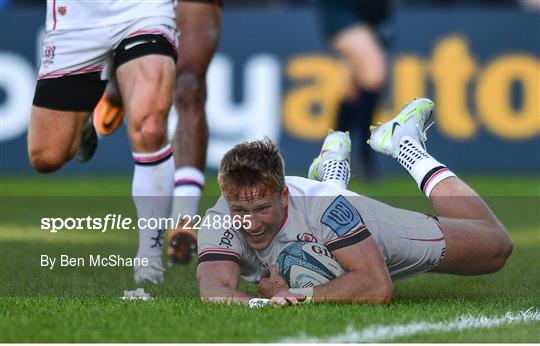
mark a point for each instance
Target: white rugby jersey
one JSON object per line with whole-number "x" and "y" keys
{"x": 84, "y": 14}
{"x": 317, "y": 212}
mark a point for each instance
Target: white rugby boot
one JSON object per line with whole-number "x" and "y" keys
{"x": 333, "y": 163}
{"x": 411, "y": 121}
{"x": 152, "y": 273}
{"x": 404, "y": 138}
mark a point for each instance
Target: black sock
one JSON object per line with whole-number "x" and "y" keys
{"x": 356, "y": 116}
{"x": 346, "y": 116}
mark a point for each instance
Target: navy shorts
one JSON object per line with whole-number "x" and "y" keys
{"x": 339, "y": 15}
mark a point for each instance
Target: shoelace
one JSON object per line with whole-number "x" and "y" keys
{"x": 423, "y": 134}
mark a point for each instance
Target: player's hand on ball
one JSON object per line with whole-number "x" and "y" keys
{"x": 286, "y": 298}
{"x": 272, "y": 285}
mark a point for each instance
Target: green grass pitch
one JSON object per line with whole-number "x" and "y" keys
{"x": 83, "y": 305}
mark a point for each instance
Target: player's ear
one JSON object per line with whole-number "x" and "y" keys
{"x": 284, "y": 196}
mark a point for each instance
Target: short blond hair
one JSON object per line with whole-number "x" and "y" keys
{"x": 256, "y": 164}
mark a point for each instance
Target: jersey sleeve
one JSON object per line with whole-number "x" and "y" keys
{"x": 219, "y": 244}
{"x": 339, "y": 224}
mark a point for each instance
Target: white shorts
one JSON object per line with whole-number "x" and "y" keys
{"x": 410, "y": 242}
{"x": 78, "y": 51}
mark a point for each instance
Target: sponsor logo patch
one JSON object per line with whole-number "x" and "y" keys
{"x": 48, "y": 53}
{"x": 158, "y": 239}
{"x": 48, "y": 56}
{"x": 341, "y": 216}
{"x": 308, "y": 237}
{"x": 226, "y": 240}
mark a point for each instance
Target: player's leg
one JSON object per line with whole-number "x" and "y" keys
{"x": 476, "y": 241}
{"x": 364, "y": 54}
{"x": 365, "y": 57}
{"x": 68, "y": 88}
{"x": 59, "y": 127}
{"x": 145, "y": 75}
{"x": 146, "y": 85}
{"x": 53, "y": 137}
{"x": 200, "y": 26}
{"x": 350, "y": 28}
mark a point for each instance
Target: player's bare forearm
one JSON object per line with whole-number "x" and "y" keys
{"x": 366, "y": 279}
{"x": 354, "y": 287}
{"x": 218, "y": 283}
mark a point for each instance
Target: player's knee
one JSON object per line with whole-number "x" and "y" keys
{"x": 45, "y": 161}
{"x": 190, "y": 90}
{"x": 373, "y": 78}
{"x": 374, "y": 81}
{"x": 152, "y": 133}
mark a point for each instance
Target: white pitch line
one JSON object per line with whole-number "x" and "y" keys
{"x": 378, "y": 333}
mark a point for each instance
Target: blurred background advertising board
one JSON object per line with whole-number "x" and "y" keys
{"x": 274, "y": 75}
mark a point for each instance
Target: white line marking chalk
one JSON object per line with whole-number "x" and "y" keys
{"x": 378, "y": 333}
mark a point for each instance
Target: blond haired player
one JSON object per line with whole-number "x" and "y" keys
{"x": 375, "y": 243}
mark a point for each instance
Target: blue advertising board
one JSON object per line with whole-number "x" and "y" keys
{"x": 274, "y": 76}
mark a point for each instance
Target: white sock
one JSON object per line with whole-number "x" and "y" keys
{"x": 425, "y": 170}
{"x": 336, "y": 172}
{"x": 188, "y": 185}
{"x": 152, "y": 188}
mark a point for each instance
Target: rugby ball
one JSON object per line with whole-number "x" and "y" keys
{"x": 306, "y": 264}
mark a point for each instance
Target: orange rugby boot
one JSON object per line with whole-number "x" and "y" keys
{"x": 182, "y": 244}
{"x": 107, "y": 117}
